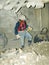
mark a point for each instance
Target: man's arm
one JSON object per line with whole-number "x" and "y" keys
{"x": 28, "y": 27}
{"x": 16, "y": 28}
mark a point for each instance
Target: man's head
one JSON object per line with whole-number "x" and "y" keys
{"x": 22, "y": 17}
{"x": 44, "y": 30}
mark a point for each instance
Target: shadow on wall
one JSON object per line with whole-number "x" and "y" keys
{"x": 3, "y": 40}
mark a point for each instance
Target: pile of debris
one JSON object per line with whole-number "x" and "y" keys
{"x": 23, "y": 57}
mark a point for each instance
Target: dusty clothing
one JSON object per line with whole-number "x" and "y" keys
{"x": 20, "y": 29}
{"x": 41, "y": 37}
{"x": 24, "y": 34}
{"x": 20, "y": 26}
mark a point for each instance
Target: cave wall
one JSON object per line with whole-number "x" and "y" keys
{"x": 36, "y": 18}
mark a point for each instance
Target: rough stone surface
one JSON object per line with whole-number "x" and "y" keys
{"x": 36, "y": 54}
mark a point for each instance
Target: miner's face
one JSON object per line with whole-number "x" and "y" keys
{"x": 20, "y": 20}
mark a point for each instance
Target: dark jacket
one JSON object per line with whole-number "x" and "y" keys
{"x": 17, "y": 26}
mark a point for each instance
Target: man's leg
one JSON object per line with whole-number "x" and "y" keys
{"x": 29, "y": 37}
{"x": 21, "y": 39}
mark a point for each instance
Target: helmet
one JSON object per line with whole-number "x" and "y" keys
{"x": 44, "y": 30}
{"x": 22, "y": 17}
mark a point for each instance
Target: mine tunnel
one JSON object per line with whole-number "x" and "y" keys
{"x": 36, "y": 15}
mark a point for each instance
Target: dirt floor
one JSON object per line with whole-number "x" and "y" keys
{"x": 35, "y": 54}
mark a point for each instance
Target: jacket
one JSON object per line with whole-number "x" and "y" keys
{"x": 17, "y": 26}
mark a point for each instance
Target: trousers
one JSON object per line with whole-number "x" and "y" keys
{"x": 23, "y": 35}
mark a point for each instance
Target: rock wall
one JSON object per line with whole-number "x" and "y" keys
{"x": 36, "y": 18}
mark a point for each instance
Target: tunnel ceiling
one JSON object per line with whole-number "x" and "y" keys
{"x": 15, "y": 5}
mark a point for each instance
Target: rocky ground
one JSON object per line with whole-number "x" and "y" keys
{"x": 35, "y": 54}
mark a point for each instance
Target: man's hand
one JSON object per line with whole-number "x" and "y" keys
{"x": 18, "y": 36}
{"x": 29, "y": 29}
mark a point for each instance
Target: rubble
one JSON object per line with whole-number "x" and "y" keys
{"x": 27, "y": 56}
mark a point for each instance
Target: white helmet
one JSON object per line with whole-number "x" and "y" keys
{"x": 22, "y": 17}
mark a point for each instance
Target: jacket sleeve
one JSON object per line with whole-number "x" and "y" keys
{"x": 16, "y": 28}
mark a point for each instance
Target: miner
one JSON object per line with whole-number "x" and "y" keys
{"x": 21, "y": 31}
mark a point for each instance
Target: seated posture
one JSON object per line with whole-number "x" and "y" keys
{"x": 20, "y": 31}
{"x": 43, "y": 36}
